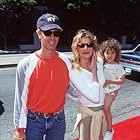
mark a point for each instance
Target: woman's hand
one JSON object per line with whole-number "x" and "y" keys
{"x": 106, "y": 83}
{"x": 93, "y": 62}
{"x": 94, "y": 66}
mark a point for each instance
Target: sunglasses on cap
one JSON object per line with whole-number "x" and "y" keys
{"x": 49, "y": 33}
{"x": 91, "y": 45}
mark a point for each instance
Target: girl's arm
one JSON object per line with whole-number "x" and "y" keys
{"x": 115, "y": 81}
{"x": 121, "y": 77}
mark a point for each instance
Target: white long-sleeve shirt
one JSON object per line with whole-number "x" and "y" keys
{"x": 90, "y": 93}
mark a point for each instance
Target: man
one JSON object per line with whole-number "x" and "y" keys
{"x": 42, "y": 80}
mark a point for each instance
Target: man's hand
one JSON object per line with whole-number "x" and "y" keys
{"x": 19, "y": 135}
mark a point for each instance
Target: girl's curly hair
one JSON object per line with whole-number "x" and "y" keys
{"x": 111, "y": 43}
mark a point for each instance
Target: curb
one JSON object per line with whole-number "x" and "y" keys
{"x": 8, "y": 65}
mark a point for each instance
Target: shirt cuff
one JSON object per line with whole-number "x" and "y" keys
{"x": 20, "y": 129}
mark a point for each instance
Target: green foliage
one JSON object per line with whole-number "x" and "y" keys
{"x": 15, "y": 8}
{"x": 76, "y": 4}
{"x": 10, "y": 10}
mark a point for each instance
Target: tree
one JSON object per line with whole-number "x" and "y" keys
{"x": 77, "y": 4}
{"x": 10, "y": 10}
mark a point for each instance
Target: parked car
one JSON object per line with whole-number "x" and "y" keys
{"x": 130, "y": 60}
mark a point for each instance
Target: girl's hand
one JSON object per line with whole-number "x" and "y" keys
{"x": 115, "y": 93}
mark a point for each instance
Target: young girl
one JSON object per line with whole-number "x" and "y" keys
{"x": 115, "y": 76}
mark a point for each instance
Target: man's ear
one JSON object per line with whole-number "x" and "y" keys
{"x": 39, "y": 33}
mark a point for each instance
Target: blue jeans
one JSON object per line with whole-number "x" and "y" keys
{"x": 50, "y": 128}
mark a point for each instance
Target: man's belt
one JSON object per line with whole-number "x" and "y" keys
{"x": 46, "y": 115}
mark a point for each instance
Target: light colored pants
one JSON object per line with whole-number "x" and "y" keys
{"x": 92, "y": 123}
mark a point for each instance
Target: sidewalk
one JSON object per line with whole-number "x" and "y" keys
{"x": 124, "y": 107}
{"x": 11, "y": 58}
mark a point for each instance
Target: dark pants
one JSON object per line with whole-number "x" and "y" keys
{"x": 49, "y": 128}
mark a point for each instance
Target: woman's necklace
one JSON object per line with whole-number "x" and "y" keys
{"x": 87, "y": 67}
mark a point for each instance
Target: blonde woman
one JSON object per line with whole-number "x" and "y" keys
{"x": 87, "y": 76}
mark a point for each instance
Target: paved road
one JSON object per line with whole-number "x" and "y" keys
{"x": 125, "y": 105}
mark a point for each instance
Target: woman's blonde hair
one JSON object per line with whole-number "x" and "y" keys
{"x": 76, "y": 40}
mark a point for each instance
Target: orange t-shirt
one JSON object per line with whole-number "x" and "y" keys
{"x": 48, "y": 86}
